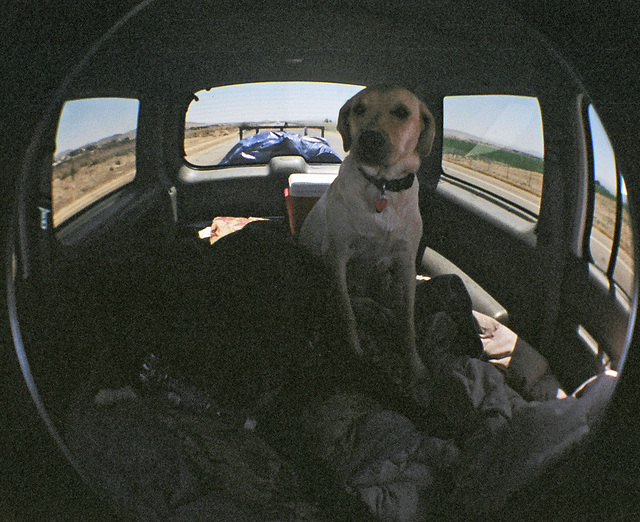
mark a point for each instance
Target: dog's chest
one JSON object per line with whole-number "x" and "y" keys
{"x": 400, "y": 211}
{"x": 381, "y": 231}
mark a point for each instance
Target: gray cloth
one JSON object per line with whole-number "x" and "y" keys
{"x": 502, "y": 442}
{"x": 157, "y": 462}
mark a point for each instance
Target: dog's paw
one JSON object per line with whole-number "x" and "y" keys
{"x": 417, "y": 369}
{"x": 354, "y": 342}
{"x": 371, "y": 313}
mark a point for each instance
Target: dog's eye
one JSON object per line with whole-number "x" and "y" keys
{"x": 401, "y": 112}
{"x": 359, "y": 109}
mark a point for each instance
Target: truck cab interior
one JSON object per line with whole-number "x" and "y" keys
{"x": 159, "y": 311}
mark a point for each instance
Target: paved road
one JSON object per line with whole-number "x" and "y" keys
{"x": 600, "y": 251}
{"x": 211, "y": 152}
{"x": 518, "y": 196}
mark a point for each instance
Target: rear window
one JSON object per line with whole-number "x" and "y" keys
{"x": 251, "y": 123}
{"x": 495, "y": 145}
{"x": 95, "y": 153}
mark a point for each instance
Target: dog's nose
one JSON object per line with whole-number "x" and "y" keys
{"x": 373, "y": 147}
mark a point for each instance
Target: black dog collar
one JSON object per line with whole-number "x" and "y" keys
{"x": 392, "y": 185}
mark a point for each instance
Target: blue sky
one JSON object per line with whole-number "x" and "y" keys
{"x": 510, "y": 121}
{"x": 603, "y": 156}
{"x": 515, "y": 122}
{"x": 89, "y": 120}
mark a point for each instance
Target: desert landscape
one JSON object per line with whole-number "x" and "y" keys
{"x": 83, "y": 176}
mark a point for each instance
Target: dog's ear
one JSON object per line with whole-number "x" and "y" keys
{"x": 344, "y": 128}
{"x": 425, "y": 142}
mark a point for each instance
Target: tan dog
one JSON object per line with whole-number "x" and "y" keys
{"x": 369, "y": 216}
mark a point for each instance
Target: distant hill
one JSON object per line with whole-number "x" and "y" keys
{"x": 462, "y": 144}
{"x": 100, "y": 144}
{"x": 464, "y": 136}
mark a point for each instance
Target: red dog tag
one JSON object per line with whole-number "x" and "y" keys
{"x": 381, "y": 204}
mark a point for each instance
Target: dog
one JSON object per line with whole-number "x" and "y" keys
{"x": 368, "y": 222}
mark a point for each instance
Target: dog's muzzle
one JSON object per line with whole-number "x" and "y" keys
{"x": 372, "y": 147}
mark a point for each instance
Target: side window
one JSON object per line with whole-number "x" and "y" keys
{"x": 495, "y": 144}
{"x": 95, "y": 153}
{"x": 611, "y": 237}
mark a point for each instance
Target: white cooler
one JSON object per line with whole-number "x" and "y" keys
{"x": 303, "y": 192}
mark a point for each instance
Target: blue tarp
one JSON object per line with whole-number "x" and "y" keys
{"x": 260, "y": 148}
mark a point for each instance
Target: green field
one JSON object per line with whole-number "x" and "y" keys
{"x": 512, "y": 158}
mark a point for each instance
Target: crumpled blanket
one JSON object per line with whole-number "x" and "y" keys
{"x": 501, "y": 442}
{"x": 490, "y": 418}
{"x": 503, "y": 456}
{"x": 379, "y": 455}
{"x": 481, "y": 428}
{"x": 160, "y": 462}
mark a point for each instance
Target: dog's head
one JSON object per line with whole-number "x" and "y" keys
{"x": 387, "y": 126}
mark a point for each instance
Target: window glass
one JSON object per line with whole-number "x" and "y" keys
{"x": 623, "y": 272}
{"x": 250, "y": 123}
{"x": 495, "y": 143}
{"x": 611, "y": 239}
{"x": 95, "y": 152}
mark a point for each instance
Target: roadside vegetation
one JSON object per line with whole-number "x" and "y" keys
{"x": 512, "y": 167}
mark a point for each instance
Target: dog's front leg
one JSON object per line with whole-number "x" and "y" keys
{"x": 339, "y": 270}
{"x": 407, "y": 282}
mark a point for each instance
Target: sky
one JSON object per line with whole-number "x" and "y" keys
{"x": 603, "y": 156}
{"x": 270, "y": 101}
{"x": 89, "y": 120}
{"x": 513, "y": 122}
